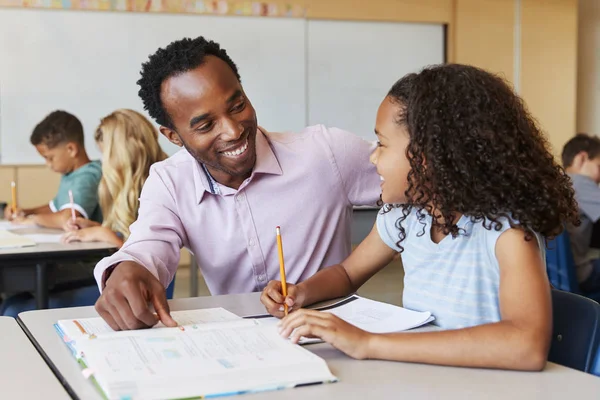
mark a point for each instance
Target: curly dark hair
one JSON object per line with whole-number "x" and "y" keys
{"x": 474, "y": 149}
{"x": 58, "y": 127}
{"x": 178, "y": 57}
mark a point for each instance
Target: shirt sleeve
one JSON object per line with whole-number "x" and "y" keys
{"x": 351, "y": 159}
{"x": 85, "y": 195}
{"x": 156, "y": 237}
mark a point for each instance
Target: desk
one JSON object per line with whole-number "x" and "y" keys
{"x": 358, "y": 379}
{"x": 30, "y": 264}
{"x": 23, "y": 373}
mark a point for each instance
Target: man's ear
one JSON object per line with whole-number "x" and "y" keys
{"x": 171, "y": 135}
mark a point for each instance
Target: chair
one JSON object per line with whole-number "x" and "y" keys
{"x": 575, "y": 332}
{"x": 560, "y": 266}
{"x": 171, "y": 289}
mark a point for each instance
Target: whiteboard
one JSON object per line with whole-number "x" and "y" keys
{"x": 352, "y": 66}
{"x": 87, "y": 63}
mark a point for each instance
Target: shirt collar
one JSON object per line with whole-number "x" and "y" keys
{"x": 266, "y": 163}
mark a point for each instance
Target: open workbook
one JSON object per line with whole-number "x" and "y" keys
{"x": 214, "y": 352}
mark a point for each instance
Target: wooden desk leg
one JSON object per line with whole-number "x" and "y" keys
{"x": 193, "y": 277}
{"x": 41, "y": 286}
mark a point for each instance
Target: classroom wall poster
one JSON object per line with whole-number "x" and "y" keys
{"x": 215, "y": 7}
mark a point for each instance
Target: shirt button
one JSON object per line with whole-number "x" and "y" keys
{"x": 251, "y": 242}
{"x": 262, "y": 278}
{"x": 240, "y": 198}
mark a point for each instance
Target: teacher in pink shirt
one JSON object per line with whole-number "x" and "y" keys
{"x": 224, "y": 193}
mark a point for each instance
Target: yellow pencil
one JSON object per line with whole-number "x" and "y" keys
{"x": 13, "y": 189}
{"x": 282, "y": 269}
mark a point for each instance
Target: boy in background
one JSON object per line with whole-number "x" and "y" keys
{"x": 581, "y": 159}
{"x": 59, "y": 139}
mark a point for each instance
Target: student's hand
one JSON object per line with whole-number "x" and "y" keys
{"x": 125, "y": 301}
{"x": 93, "y": 234}
{"x": 272, "y": 298}
{"x": 343, "y": 336}
{"x": 9, "y": 215}
{"x": 79, "y": 223}
{"x": 22, "y": 220}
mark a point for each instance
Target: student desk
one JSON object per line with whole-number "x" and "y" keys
{"x": 26, "y": 268}
{"x": 358, "y": 379}
{"x": 23, "y": 373}
{"x": 363, "y": 219}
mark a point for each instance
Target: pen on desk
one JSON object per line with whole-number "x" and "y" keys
{"x": 13, "y": 190}
{"x": 73, "y": 217}
{"x": 282, "y": 269}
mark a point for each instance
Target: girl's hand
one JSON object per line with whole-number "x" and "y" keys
{"x": 79, "y": 223}
{"x": 83, "y": 235}
{"x": 272, "y": 298}
{"x": 343, "y": 336}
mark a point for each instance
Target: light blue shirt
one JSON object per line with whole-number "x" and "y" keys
{"x": 457, "y": 279}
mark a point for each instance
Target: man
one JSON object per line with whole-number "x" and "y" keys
{"x": 223, "y": 196}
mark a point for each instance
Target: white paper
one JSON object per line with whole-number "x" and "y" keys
{"x": 224, "y": 358}
{"x": 369, "y": 315}
{"x": 7, "y": 225}
{"x": 44, "y": 237}
{"x": 97, "y": 326}
{"x": 9, "y": 240}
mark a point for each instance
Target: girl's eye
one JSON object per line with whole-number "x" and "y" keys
{"x": 379, "y": 144}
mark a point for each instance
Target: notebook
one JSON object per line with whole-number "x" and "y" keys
{"x": 212, "y": 353}
{"x": 9, "y": 240}
{"x": 369, "y": 315}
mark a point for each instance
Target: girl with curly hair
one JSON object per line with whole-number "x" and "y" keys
{"x": 471, "y": 192}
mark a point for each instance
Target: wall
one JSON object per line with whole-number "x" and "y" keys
{"x": 531, "y": 42}
{"x": 588, "y": 67}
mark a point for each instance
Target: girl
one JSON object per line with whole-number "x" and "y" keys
{"x": 129, "y": 146}
{"x": 470, "y": 192}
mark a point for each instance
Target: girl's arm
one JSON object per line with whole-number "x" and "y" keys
{"x": 336, "y": 281}
{"x": 521, "y": 340}
{"x": 93, "y": 234}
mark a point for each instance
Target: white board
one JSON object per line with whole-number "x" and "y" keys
{"x": 352, "y": 66}
{"x": 87, "y": 63}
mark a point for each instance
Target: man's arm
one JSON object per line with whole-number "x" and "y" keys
{"x": 136, "y": 276}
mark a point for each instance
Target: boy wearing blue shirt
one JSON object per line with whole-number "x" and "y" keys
{"x": 59, "y": 139}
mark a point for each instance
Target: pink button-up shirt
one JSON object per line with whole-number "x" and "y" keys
{"x": 306, "y": 183}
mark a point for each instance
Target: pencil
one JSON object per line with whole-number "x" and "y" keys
{"x": 282, "y": 269}
{"x": 13, "y": 189}
{"x": 72, "y": 206}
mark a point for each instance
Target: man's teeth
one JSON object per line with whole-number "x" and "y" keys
{"x": 238, "y": 151}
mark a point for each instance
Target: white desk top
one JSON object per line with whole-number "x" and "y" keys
{"x": 51, "y": 247}
{"x": 23, "y": 372}
{"x": 358, "y": 379}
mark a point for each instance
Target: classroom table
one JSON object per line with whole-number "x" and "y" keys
{"x": 23, "y": 373}
{"x": 357, "y": 379}
{"x": 363, "y": 219}
{"x": 26, "y": 268}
